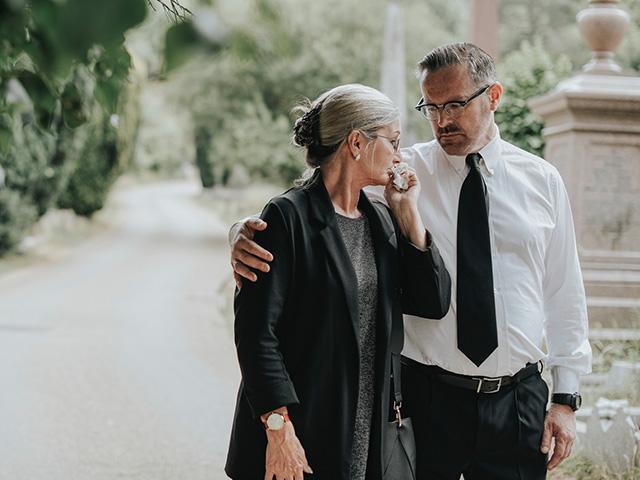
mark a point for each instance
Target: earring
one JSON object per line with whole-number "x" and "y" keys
{"x": 357, "y": 158}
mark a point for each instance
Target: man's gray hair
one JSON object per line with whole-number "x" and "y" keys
{"x": 479, "y": 63}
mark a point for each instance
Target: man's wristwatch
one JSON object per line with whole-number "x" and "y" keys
{"x": 275, "y": 421}
{"x": 574, "y": 400}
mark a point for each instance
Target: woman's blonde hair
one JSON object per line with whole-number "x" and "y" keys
{"x": 326, "y": 122}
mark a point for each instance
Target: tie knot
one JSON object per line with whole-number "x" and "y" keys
{"x": 473, "y": 160}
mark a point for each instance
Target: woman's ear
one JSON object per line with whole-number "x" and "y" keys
{"x": 354, "y": 143}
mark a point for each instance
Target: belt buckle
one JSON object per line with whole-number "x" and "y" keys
{"x": 494, "y": 390}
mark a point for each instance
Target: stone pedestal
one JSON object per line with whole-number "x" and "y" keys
{"x": 592, "y": 134}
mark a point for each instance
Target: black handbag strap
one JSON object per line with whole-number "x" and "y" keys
{"x": 396, "y": 381}
{"x": 397, "y": 387}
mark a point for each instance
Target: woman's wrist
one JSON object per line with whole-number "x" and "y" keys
{"x": 411, "y": 226}
{"x": 286, "y": 432}
{"x": 280, "y": 410}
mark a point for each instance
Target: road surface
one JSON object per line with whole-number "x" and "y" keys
{"x": 116, "y": 361}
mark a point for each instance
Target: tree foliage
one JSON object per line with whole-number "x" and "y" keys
{"x": 527, "y": 73}
{"x": 270, "y": 54}
{"x": 63, "y": 73}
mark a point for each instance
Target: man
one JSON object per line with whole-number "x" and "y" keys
{"x": 502, "y": 219}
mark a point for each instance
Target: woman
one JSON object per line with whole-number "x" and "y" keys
{"x": 315, "y": 334}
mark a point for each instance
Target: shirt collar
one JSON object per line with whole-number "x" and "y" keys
{"x": 490, "y": 155}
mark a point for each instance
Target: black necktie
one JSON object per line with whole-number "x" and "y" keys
{"x": 476, "y": 315}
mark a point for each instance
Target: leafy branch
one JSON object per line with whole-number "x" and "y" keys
{"x": 173, "y": 8}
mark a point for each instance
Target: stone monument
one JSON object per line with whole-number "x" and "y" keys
{"x": 592, "y": 135}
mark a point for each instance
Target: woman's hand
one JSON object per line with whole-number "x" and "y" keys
{"x": 398, "y": 199}
{"x": 285, "y": 459}
{"x": 404, "y": 206}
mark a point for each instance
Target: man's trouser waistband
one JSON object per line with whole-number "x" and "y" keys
{"x": 475, "y": 383}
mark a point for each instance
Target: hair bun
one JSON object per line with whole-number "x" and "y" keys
{"x": 302, "y": 132}
{"x": 306, "y": 126}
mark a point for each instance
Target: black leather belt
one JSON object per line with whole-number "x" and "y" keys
{"x": 478, "y": 384}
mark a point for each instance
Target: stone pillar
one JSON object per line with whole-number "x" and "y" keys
{"x": 592, "y": 135}
{"x": 393, "y": 72}
{"x": 484, "y": 26}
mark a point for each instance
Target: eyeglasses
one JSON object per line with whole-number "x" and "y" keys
{"x": 395, "y": 142}
{"x": 452, "y": 109}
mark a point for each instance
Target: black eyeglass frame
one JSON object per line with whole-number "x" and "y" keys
{"x": 462, "y": 103}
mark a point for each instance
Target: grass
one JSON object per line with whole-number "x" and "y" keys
{"x": 578, "y": 467}
{"x": 605, "y": 353}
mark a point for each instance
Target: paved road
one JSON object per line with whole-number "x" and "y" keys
{"x": 115, "y": 361}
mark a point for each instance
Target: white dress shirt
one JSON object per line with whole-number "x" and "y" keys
{"x": 537, "y": 280}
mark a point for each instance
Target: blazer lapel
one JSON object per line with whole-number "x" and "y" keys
{"x": 323, "y": 213}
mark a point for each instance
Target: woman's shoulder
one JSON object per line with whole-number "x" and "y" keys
{"x": 287, "y": 205}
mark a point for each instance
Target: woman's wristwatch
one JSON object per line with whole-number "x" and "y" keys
{"x": 276, "y": 421}
{"x": 573, "y": 400}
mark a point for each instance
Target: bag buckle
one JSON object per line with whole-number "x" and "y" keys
{"x": 495, "y": 389}
{"x": 396, "y": 407}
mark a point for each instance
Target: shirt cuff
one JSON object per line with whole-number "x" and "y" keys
{"x": 565, "y": 380}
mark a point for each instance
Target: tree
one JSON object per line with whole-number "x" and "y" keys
{"x": 269, "y": 55}
{"x": 63, "y": 74}
{"x": 526, "y": 73}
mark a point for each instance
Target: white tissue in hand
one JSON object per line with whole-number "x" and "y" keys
{"x": 399, "y": 181}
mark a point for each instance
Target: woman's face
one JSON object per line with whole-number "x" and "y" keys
{"x": 380, "y": 153}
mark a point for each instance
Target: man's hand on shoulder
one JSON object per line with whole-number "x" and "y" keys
{"x": 245, "y": 253}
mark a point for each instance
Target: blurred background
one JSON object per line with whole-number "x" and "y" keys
{"x": 133, "y": 133}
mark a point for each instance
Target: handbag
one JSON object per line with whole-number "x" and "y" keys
{"x": 398, "y": 444}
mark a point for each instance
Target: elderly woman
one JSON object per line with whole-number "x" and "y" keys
{"x": 315, "y": 333}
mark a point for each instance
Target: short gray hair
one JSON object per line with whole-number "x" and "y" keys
{"x": 327, "y": 121}
{"x": 479, "y": 63}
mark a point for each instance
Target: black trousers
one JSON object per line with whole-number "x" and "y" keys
{"x": 485, "y": 436}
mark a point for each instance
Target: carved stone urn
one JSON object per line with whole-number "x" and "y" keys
{"x": 602, "y": 25}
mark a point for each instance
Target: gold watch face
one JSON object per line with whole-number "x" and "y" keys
{"x": 275, "y": 421}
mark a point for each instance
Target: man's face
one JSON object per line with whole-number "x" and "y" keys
{"x": 473, "y": 129}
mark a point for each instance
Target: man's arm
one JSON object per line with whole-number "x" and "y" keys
{"x": 567, "y": 330}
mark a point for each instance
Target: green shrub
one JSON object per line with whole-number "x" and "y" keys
{"x": 29, "y": 163}
{"x": 259, "y": 141}
{"x": 527, "y": 73}
{"x": 203, "y": 160}
{"x": 61, "y": 64}
{"x": 16, "y": 216}
{"x": 95, "y": 172}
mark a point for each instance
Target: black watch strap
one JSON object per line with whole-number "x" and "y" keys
{"x": 574, "y": 400}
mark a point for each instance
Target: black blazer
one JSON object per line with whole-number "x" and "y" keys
{"x": 296, "y": 330}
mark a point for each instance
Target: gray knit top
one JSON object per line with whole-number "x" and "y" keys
{"x": 356, "y": 234}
